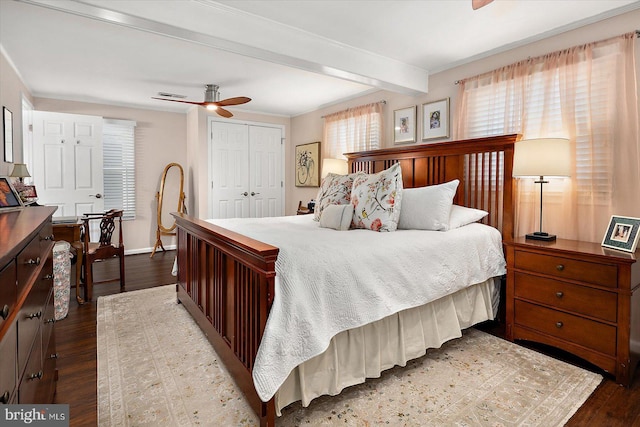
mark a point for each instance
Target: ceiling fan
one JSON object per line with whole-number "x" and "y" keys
{"x": 477, "y": 4}
{"x": 212, "y": 101}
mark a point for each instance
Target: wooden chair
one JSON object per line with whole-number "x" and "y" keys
{"x": 103, "y": 249}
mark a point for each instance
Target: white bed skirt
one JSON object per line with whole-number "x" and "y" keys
{"x": 364, "y": 352}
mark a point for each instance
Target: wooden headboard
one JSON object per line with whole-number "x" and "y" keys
{"x": 480, "y": 164}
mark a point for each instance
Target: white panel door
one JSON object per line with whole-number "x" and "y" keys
{"x": 265, "y": 192}
{"x": 67, "y": 162}
{"x": 229, "y": 170}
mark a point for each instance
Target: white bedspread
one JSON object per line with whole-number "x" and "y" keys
{"x": 328, "y": 281}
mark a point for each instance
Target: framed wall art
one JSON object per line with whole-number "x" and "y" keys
{"x": 622, "y": 233}
{"x": 404, "y": 124}
{"x": 308, "y": 165}
{"x": 435, "y": 119}
{"x": 7, "y": 124}
{"x": 9, "y": 197}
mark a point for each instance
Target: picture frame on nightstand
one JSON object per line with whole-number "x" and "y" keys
{"x": 622, "y": 233}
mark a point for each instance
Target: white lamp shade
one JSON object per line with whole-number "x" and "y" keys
{"x": 20, "y": 171}
{"x": 337, "y": 166}
{"x": 542, "y": 157}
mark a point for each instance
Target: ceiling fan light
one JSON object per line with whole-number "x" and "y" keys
{"x": 212, "y": 107}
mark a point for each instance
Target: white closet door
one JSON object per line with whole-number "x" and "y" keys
{"x": 67, "y": 162}
{"x": 265, "y": 193}
{"x": 229, "y": 170}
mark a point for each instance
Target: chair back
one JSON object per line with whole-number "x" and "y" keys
{"x": 107, "y": 226}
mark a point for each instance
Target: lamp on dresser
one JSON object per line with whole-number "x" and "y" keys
{"x": 20, "y": 171}
{"x": 542, "y": 157}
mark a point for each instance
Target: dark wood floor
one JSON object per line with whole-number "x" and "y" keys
{"x": 610, "y": 405}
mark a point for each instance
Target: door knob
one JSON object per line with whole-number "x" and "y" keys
{"x": 245, "y": 194}
{"x": 97, "y": 196}
{"x": 253, "y": 194}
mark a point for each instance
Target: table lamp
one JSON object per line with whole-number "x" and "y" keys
{"x": 20, "y": 171}
{"x": 337, "y": 166}
{"x": 542, "y": 157}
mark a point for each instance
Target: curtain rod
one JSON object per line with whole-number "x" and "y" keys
{"x": 457, "y": 82}
{"x": 383, "y": 101}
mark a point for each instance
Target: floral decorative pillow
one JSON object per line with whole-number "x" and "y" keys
{"x": 334, "y": 190}
{"x": 376, "y": 199}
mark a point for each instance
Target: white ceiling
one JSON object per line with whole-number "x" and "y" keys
{"x": 290, "y": 57}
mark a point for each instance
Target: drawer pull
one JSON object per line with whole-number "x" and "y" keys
{"x": 559, "y": 325}
{"x": 49, "y": 237}
{"x": 34, "y": 315}
{"x": 48, "y": 277}
{"x": 33, "y": 261}
{"x": 559, "y": 267}
{"x": 53, "y": 356}
{"x": 559, "y": 294}
{"x": 5, "y": 311}
{"x": 5, "y": 397}
{"x": 52, "y": 320}
{"x": 36, "y": 376}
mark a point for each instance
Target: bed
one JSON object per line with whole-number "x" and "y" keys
{"x": 227, "y": 281}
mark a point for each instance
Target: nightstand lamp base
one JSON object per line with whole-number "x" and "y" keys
{"x": 541, "y": 235}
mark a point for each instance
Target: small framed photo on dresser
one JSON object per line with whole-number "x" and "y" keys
{"x": 9, "y": 197}
{"x": 622, "y": 233}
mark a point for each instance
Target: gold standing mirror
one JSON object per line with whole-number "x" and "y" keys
{"x": 171, "y": 191}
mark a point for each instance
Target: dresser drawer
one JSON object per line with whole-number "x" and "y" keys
{"x": 33, "y": 375}
{"x": 578, "y": 330}
{"x": 567, "y": 296}
{"x": 8, "y": 367}
{"x": 8, "y": 291}
{"x": 566, "y": 268}
{"x": 28, "y": 262}
{"x": 45, "y": 236}
{"x": 29, "y": 320}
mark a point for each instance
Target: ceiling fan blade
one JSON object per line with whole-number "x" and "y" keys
{"x": 177, "y": 100}
{"x": 477, "y": 4}
{"x": 234, "y": 101}
{"x": 224, "y": 113}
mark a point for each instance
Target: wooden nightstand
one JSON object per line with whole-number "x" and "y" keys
{"x": 303, "y": 210}
{"x": 576, "y": 296}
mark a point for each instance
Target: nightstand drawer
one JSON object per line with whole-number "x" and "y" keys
{"x": 567, "y": 296}
{"x": 565, "y": 268}
{"x": 584, "y": 332}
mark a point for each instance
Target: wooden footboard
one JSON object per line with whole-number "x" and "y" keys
{"x": 226, "y": 282}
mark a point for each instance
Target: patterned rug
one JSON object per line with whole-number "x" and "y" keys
{"x": 156, "y": 368}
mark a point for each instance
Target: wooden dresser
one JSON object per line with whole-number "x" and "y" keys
{"x": 27, "y": 340}
{"x": 579, "y": 297}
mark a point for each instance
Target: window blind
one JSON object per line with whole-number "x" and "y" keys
{"x": 352, "y": 130}
{"x": 118, "y": 147}
{"x": 534, "y": 102}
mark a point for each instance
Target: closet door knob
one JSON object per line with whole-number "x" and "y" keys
{"x": 245, "y": 194}
{"x": 254, "y": 194}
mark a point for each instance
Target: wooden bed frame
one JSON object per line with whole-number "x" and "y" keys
{"x": 226, "y": 280}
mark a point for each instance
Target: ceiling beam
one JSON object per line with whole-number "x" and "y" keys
{"x": 276, "y": 43}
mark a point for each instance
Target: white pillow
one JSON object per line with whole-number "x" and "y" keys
{"x": 337, "y": 217}
{"x": 376, "y": 199}
{"x": 461, "y": 216}
{"x": 427, "y": 208}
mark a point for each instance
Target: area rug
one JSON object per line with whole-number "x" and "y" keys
{"x": 156, "y": 368}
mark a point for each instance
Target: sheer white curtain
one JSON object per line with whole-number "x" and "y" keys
{"x": 355, "y": 129}
{"x": 587, "y": 94}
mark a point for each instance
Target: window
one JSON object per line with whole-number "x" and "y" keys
{"x": 584, "y": 94}
{"x": 355, "y": 129}
{"x": 119, "y": 166}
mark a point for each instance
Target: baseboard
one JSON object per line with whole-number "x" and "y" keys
{"x": 147, "y": 250}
